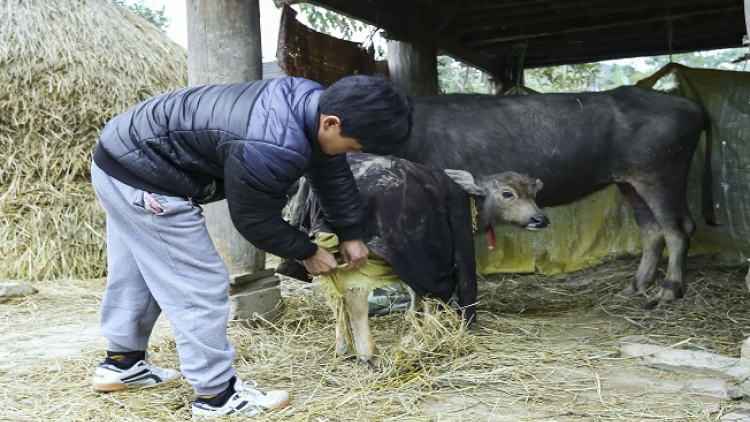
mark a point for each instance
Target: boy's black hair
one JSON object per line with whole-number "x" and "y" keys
{"x": 373, "y": 110}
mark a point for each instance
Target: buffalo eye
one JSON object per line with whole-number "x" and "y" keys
{"x": 508, "y": 194}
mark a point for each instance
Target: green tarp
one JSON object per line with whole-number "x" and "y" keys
{"x": 602, "y": 226}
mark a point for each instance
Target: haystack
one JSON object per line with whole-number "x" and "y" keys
{"x": 66, "y": 68}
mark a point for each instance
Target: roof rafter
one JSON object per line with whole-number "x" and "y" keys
{"x": 477, "y": 40}
{"x": 485, "y": 33}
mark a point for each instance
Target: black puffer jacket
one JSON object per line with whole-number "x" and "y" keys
{"x": 247, "y": 143}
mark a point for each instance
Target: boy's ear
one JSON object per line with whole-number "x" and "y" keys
{"x": 326, "y": 121}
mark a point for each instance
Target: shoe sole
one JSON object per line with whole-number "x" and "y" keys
{"x": 281, "y": 405}
{"x": 265, "y": 412}
{"x": 108, "y": 388}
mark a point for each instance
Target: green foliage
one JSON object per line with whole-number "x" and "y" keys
{"x": 582, "y": 77}
{"x": 571, "y": 78}
{"x": 618, "y": 75}
{"x": 455, "y": 76}
{"x": 340, "y": 26}
{"x": 156, "y": 16}
{"x": 716, "y": 59}
{"x": 331, "y": 23}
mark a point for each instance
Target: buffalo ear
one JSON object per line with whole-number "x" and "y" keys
{"x": 466, "y": 181}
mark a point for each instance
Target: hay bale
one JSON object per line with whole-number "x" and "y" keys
{"x": 67, "y": 68}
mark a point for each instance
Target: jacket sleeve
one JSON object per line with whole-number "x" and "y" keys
{"x": 255, "y": 207}
{"x": 334, "y": 186}
{"x": 259, "y": 169}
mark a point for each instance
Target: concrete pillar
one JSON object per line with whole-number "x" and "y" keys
{"x": 224, "y": 46}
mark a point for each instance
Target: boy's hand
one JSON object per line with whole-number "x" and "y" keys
{"x": 354, "y": 253}
{"x": 322, "y": 263}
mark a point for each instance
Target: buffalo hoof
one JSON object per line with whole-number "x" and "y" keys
{"x": 373, "y": 361}
{"x": 635, "y": 286}
{"x": 651, "y": 304}
{"x": 628, "y": 292}
{"x": 342, "y": 347}
{"x": 657, "y": 303}
{"x": 668, "y": 293}
{"x": 618, "y": 299}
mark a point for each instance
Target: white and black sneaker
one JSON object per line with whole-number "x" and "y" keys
{"x": 240, "y": 399}
{"x": 110, "y": 376}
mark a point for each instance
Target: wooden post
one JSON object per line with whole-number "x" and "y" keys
{"x": 412, "y": 64}
{"x": 223, "y": 41}
{"x": 224, "y": 46}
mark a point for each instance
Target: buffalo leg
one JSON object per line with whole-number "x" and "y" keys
{"x": 355, "y": 304}
{"x": 653, "y": 241}
{"x": 688, "y": 224}
{"x": 415, "y": 301}
{"x": 669, "y": 207}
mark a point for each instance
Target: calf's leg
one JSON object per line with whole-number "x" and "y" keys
{"x": 355, "y": 304}
{"x": 415, "y": 300}
{"x": 342, "y": 345}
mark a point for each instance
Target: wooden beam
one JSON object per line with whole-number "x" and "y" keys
{"x": 647, "y": 39}
{"x": 604, "y": 25}
{"x": 647, "y": 43}
{"x": 554, "y": 12}
{"x": 448, "y": 45}
{"x": 413, "y": 65}
{"x": 500, "y": 13}
{"x": 591, "y": 57}
{"x": 641, "y": 36}
{"x": 485, "y": 5}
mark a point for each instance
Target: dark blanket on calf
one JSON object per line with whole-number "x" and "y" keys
{"x": 416, "y": 218}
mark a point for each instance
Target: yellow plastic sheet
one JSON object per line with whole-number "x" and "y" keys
{"x": 602, "y": 226}
{"x": 375, "y": 274}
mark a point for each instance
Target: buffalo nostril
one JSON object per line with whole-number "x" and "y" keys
{"x": 540, "y": 221}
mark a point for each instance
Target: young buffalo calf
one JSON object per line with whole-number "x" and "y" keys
{"x": 419, "y": 231}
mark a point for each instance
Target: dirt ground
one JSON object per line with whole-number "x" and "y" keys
{"x": 545, "y": 349}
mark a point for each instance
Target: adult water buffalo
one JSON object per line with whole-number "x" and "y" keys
{"x": 639, "y": 139}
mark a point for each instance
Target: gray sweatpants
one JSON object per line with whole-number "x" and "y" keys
{"x": 165, "y": 262}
